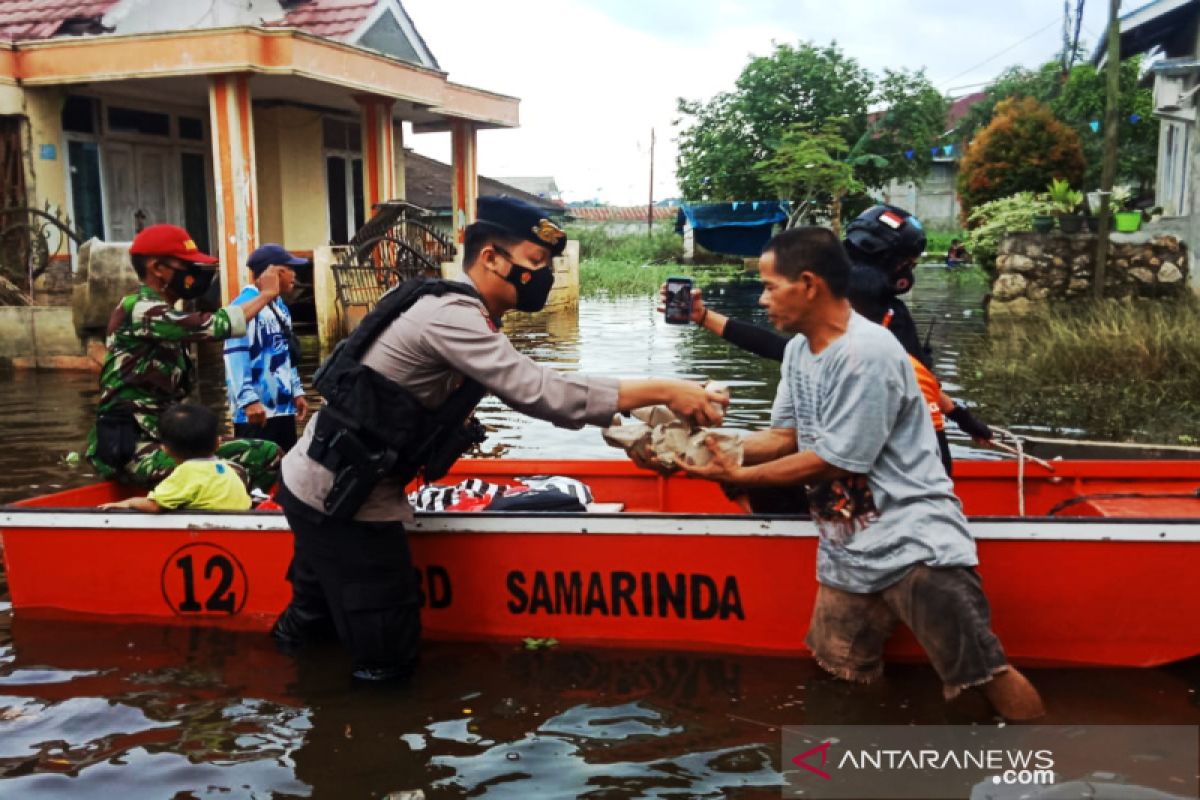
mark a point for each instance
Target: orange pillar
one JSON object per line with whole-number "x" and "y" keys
{"x": 465, "y": 188}
{"x": 232, "y": 124}
{"x": 379, "y": 150}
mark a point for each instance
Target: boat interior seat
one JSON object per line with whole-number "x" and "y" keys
{"x": 605, "y": 508}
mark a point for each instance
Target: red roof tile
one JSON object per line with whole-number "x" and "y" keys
{"x": 41, "y": 19}
{"x": 621, "y": 213}
{"x": 330, "y": 18}
{"x": 959, "y": 106}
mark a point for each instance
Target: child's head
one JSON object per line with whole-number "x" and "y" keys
{"x": 954, "y": 242}
{"x": 188, "y": 431}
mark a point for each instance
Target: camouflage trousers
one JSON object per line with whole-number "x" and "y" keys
{"x": 257, "y": 460}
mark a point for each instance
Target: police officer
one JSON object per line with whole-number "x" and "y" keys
{"x": 148, "y": 366}
{"x": 398, "y": 396}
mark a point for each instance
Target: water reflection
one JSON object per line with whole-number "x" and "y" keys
{"x": 172, "y": 709}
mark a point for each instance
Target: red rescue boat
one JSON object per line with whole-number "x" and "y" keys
{"x": 1098, "y": 570}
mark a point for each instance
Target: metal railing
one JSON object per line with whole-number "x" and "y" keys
{"x": 392, "y": 247}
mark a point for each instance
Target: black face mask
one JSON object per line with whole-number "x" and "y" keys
{"x": 190, "y": 283}
{"x": 533, "y": 285}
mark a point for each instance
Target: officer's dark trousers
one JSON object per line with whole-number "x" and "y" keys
{"x": 355, "y": 579}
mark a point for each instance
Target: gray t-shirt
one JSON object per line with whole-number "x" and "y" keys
{"x": 856, "y": 404}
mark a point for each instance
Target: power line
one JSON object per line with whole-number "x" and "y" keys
{"x": 1013, "y": 46}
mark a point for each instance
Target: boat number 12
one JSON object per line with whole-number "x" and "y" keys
{"x": 203, "y": 579}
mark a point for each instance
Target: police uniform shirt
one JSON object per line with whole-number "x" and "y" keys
{"x": 428, "y": 350}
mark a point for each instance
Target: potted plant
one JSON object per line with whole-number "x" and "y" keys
{"x": 1043, "y": 223}
{"x": 1067, "y": 202}
{"x": 1126, "y": 219}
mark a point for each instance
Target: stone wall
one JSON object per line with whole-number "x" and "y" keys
{"x": 1036, "y": 268}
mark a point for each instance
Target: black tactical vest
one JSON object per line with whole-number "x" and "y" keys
{"x": 371, "y": 427}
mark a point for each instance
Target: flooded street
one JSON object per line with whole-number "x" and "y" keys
{"x": 108, "y": 710}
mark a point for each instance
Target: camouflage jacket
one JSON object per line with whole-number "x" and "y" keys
{"x": 148, "y": 366}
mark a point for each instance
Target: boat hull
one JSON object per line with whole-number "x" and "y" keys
{"x": 1083, "y": 590}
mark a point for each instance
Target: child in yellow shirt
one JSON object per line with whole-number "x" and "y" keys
{"x": 201, "y": 482}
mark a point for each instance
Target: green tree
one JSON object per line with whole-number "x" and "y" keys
{"x": 1078, "y": 101}
{"x": 912, "y": 120}
{"x": 1022, "y": 149}
{"x": 720, "y": 140}
{"x": 810, "y": 167}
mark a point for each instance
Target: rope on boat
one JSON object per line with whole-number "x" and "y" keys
{"x": 1183, "y": 448}
{"x": 1020, "y": 448}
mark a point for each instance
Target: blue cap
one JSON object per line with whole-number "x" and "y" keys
{"x": 269, "y": 255}
{"x": 521, "y": 220}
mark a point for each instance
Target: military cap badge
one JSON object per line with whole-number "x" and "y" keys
{"x": 548, "y": 232}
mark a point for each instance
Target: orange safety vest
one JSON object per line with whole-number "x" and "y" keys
{"x": 931, "y": 387}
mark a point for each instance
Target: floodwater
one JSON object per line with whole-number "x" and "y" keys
{"x": 109, "y": 710}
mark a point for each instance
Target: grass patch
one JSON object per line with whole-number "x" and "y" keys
{"x": 618, "y": 264}
{"x": 660, "y": 246}
{"x": 1127, "y": 371}
{"x": 600, "y": 276}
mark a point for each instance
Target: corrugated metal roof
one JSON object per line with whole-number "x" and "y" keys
{"x": 41, "y": 19}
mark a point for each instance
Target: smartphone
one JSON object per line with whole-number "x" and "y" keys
{"x": 678, "y": 310}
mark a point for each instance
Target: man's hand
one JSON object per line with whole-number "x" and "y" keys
{"x": 698, "y": 307}
{"x": 269, "y": 282}
{"x": 650, "y": 462}
{"x": 256, "y": 413}
{"x": 702, "y": 406}
{"x": 721, "y": 468}
{"x": 301, "y": 408}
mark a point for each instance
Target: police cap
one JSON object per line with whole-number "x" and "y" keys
{"x": 521, "y": 220}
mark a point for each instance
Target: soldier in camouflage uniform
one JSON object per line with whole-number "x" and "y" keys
{"x": 148, "y": 366}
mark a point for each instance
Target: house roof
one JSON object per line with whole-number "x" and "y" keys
{"x": 427, "y": 184}
{"x": 41, "y": 19}
{"x": 543, "y": 186}
{"x": 1166, "y": 24}
{"x": 332, "y": 18}
{"x": 621, "y": 213}
{"x": 959, "y": 107}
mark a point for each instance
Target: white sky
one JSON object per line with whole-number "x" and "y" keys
{"x": 595, "y": 75}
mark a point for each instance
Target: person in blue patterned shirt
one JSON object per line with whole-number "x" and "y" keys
{"x": 266, "y": 397}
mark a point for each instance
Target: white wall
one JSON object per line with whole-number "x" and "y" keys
{"x": 146, "y": 16}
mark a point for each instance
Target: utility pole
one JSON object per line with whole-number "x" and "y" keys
{"x": 650, "y": 205}
{"x": 1108, "y": 171}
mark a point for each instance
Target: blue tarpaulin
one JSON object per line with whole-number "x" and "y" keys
{"x": 738, "y": 228}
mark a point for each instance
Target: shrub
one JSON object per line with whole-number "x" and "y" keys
{"x": 988, "y": 224}
{"x": 1022, "y": 149}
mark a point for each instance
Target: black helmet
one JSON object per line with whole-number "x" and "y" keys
{"x": 887, "y": 238}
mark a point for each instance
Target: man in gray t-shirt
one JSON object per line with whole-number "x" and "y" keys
{"x": 850, "y": 424}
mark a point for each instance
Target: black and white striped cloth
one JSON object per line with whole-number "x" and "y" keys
{"x": 437, "y": 497}
{"x": 559, "y": 483}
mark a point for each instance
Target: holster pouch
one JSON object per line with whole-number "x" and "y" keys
{"x": 359, "y": 471}
{"x": 116, "y": 438}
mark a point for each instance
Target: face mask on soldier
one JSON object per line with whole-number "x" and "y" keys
{"x": 190, "y": 281}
